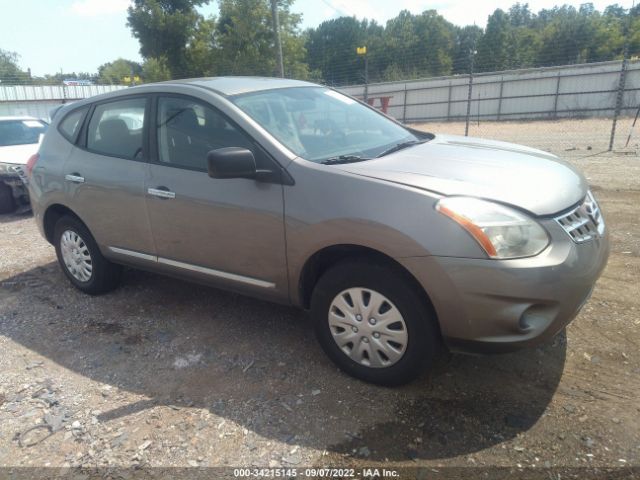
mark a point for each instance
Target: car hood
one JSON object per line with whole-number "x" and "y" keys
{"x": 531, "y": 179}
{"x": 18, "y": 154}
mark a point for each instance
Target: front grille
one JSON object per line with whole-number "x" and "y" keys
{"x": 18, "y": 169}
{"x": 583, "y": 222}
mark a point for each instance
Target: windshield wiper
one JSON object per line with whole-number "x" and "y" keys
{"x": 344, "y": 159}
{"x": 400, "y": 146}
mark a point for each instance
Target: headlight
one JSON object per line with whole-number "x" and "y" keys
{"x": 502, "y": 232}
{"x": 7, "y": 168}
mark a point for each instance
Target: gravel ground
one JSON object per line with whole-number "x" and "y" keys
{"x": 572, "y": 138}
{"x": 164, "y": 373}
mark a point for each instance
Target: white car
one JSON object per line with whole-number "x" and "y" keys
{"x": 19, "y": 139}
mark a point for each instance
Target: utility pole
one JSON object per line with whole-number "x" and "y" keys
{"x": 276, "y": 30}
{"x": 366, "y": 77}
{"x": 362, "y": 51}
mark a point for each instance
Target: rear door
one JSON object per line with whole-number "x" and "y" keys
{"x": 105, "y": 177}
{"x": 225, "y": 231}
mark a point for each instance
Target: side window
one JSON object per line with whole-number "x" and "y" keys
{"x": 70, "y": 125}
{"x": 187, "y": 130}
{"x": 116, "y": 128}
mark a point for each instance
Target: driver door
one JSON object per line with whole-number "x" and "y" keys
{"x": 223, "y": 231}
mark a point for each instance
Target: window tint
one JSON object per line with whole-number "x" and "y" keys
{"x": 116, "y": 128}
{"x": 71, "y": 124}
{"x": 187, "y": 130}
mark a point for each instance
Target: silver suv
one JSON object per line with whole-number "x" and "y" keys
{"x": 397, "y": 241}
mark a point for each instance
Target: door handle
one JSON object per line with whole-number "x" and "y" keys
{"x": 74, "y": 177}
{"x": 161, "y": 192}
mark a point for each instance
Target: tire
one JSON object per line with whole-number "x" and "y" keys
{"x": 7, "y": 202}
{"x": 418, "y": 340}
{"x": 95, "y": 276}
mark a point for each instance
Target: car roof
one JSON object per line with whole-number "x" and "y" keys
{"x": 238, "y": 85}
{"x": 225, "y": 86}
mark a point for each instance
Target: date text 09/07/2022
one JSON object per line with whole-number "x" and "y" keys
{"x": 364, "y": 473}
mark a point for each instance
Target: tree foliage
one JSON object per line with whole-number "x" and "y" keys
{"x": 239, "y": 42}
{"x": 177, "y": 41}
{"x": 165, "y": 29}
{"x": 113, "y": 73}
{"x": 426, "y": 44}
{"x": 155, "y": 70}
{"x": 9, "y": 70}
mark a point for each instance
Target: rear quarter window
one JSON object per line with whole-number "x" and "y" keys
{"x": 70, "y": 125}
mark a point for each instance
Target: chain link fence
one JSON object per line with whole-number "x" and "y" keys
{"x": 573, "y": 110}
{"x": 568, "y": 110}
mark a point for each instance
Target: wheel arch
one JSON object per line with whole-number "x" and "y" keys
{"x": 325, "y": 258}
{"x": 52, "y": 214}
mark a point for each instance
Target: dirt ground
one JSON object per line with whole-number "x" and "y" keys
{"x": 570, "y": 138}
{"x": 163, "y": 373}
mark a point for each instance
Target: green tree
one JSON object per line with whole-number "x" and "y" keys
{"x": 155, "y": 70}
{"x": 509, "y": 41}
{"x": 246, "y": 43}
{"x": 493, "y": 47}
{"x": 437, "y": 39}
{"x": 419, "y": 45}
{"x": 567, "y": 36}
{"x": 331, "y": 49}
{"x": 114, "y": 72}
{"x": 165, "y": 29}
{"x": 466, "y": 42}
{"x": 609, "y": 33}
{"x": 10, "y": 71}
{"x": 520, "y": 15}
{"x": 202, "y": 55}
{"x": 523, "y": 40}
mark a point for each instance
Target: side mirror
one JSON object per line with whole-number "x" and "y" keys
{"x": 231, "y": 162}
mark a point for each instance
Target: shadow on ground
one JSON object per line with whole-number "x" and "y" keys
{"x": 258, "y": 365}
{"x": 15, "y": 216}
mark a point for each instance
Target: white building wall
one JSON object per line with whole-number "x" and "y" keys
{"x": 38, "y": 100}
{"x": 567, "y": 91}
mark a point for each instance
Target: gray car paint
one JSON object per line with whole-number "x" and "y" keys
{"x": 117, "y": 186}
{"x": 531, "y": 179}
{"x": 267, "y": 232}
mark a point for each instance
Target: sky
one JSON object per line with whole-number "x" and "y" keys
{"x": 81, "y": 35}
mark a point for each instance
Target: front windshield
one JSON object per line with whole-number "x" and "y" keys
{"x": 20, "y": 132}
{"x": 319, "y": 124}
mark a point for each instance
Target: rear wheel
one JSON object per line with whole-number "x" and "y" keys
{"x": 7, "y": 202}
{"x": 372, "y": 323}
{"x": 81, "y": 259}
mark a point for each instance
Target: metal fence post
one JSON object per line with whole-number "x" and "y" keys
{"x": 500, "y": 97}
{"x": 469, "y": 94}
{"x": 472, "y": 54}
{"x": 621, "y": 85}
{"x": 449, "y": 103}
{"x": 619, "y": 98}
{"x": 555, "y": 100}
{"x": 404, "y": 105}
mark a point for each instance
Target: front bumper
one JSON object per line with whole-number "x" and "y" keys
{"x": 501, "y": 305}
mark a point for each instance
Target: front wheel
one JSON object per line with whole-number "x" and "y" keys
{"x": 81, "y": 259}
{"x": 372, "y": 322}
